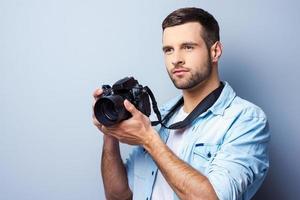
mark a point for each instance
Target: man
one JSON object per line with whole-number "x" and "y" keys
{"x": 220, "y": 154}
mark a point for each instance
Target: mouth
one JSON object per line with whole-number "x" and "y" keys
{"x": 179, "y": 71}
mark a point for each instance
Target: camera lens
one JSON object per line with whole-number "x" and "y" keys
{"x": 109, "y": 110}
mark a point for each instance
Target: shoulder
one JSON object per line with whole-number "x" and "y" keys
{"x": 247, "y": 122}
{"x": 232, "y": 106}
{"x": 242, "y": 108}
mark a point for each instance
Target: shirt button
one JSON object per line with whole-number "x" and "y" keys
{"x": 152, "y": 172}
{"x": 209, "y": 154}
{"x": 147, "y": 198}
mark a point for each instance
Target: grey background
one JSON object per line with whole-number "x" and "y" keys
{"x": 53, "y": 54}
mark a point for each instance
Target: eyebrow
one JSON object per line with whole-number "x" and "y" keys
{"x": 190, "y": 43}
{"x": 183, "y": 44}
{"x": 166, "y": 47}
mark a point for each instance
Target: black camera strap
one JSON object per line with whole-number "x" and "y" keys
{"x": 203, "y": 106}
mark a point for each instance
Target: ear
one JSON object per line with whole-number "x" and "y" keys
{"x": 216, "y": 51}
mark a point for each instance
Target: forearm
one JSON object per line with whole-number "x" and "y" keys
{"x": 113, "y": 171}
{"x": 186, "y": 182}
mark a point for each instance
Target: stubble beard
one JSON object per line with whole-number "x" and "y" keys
{"x": 194, "y": 78}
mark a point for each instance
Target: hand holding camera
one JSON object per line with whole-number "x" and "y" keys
{"x": 126, "y": 99}
{"x": 109, "y": 108}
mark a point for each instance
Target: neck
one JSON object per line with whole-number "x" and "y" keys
{"x": 192, "y": 97}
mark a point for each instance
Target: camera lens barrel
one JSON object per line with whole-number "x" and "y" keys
{"x": 110, "y": 110}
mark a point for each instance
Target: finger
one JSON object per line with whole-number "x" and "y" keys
{"x": 97, "y": 123}
{"x": 97, "y": 93}
{"x": 130, "y": 107}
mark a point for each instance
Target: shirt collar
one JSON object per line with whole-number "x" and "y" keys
{"x": 224, "y": 100}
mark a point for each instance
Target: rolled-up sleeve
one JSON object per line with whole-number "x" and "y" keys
{"x": 242, "y": 161}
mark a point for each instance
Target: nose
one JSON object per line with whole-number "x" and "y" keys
{"x": 178, "y": 60}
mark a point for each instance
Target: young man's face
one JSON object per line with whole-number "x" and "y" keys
{"x": 186, "y": 55}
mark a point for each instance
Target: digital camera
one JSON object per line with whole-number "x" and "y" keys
{"x": 109, "y": 108}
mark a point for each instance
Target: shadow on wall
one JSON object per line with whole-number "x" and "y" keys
{"x": 251, "y": 82}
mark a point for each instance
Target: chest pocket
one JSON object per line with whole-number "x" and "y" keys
{"x": 203, "y": 154}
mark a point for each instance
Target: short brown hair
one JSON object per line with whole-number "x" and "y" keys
{"x": 209, "y": 23}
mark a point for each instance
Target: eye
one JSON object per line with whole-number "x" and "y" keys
{"x": 168, "y": 50}
{"x": 188, "y": 47}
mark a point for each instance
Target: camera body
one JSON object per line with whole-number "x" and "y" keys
{"x": 109, "y": 108}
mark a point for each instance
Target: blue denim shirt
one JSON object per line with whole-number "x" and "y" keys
{"x": 228, "y": 144}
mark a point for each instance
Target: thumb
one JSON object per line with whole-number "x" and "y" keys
{"x": 130, "y": 107}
